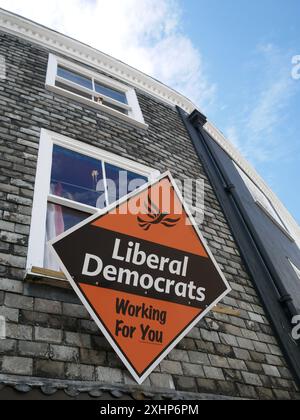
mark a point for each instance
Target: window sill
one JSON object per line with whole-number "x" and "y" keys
{"x": 95, "y": 105}
{"x": 47, "y": 277}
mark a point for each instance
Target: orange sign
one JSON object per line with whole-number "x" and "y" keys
{"x": 144, "y": 272}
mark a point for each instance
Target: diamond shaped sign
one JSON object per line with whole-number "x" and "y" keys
{"x": 144, "y": 272}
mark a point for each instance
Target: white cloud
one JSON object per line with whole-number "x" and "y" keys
{"x": 257, "y": 133}
{"x": 143, "y": 33}
{"x": 271, "y": 102}
{"x": 233, "y": 136}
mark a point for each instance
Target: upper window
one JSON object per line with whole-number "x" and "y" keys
{"x": 260, "y": 198}
{"x": 101, "y": 92}
{"x": 74, "y": 181}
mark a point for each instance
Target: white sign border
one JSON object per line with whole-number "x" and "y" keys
{"x": 87, "y": 221}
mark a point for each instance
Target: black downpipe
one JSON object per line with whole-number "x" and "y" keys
{"x": 285, "y": 298}
{"x": 278, "y": 303}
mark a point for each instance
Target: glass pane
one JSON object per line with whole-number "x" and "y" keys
{"x": 297, "y": 271}
{"x": 77, "y": 177}
{"x": 121, "y": 182}
{"x": 111, "y": 93}
{"x": 59, "y": 219}
{"x": 75, "y": 77}
{"x": 73, "y": 90}
{"x": 259, "y": 196}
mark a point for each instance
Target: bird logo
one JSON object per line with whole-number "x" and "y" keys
{"x": 156, "y": 217}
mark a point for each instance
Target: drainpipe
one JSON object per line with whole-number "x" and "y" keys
{"x": 198, "y": 121}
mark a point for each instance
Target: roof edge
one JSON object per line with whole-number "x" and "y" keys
{"x": 25, "y": 384}
{"x": 56, "y": 41}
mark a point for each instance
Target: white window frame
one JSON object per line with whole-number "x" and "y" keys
{"x": 134, "y": 116}
{"x": 42, "y": 194}
{"x": 275, "y": 218}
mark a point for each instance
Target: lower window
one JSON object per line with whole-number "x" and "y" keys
{"x": 73, "y": 182}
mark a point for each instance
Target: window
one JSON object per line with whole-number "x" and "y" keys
{"x": 296, "y": 269}
{"x": 73, "y": 181}
{"x": 261, "y": 200}
{"x": 98, "y": 91}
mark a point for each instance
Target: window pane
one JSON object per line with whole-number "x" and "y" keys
{"x": 74, "y": 77}
{"x": 76, "y": 177}
{"x": 111, "y": 93}
{"x": 59, "y": 219}
{"x": 121, "y": 182}
{"x": 297, "y": 271}
{"x": 259, "y": 196}
{"x": 73, "y": 90}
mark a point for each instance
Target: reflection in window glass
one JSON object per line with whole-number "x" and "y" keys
{"x": 59, "y": 219}
{"x": 123, "y": 183}
{"x": 111, "y": 93}
{"x": 80, "y": 178}
{"x": 74, "y": 77}
{"x": 75, "y": 176}
{"x": 296, "y": 269}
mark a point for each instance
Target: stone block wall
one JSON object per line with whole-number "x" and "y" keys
{"x": 49, "y": 332}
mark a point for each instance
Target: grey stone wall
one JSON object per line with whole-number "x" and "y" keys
{"x": 49, "y": 333}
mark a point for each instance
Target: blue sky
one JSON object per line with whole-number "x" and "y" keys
{"x": 247, "y": 49}
{"x": 235, "y": 63}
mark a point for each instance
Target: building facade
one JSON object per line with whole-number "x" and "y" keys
{"x": 64, "y": 105}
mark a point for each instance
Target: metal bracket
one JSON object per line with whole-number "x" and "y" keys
{"x": 229, "y": 188}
